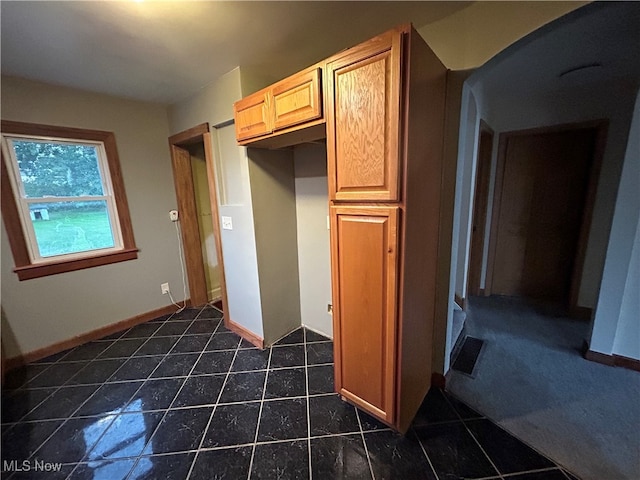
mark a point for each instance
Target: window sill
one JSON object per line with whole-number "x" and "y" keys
{"x": 38, "y": 270}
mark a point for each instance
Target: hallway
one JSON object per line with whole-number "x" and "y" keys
{"x": 531, "y": 379}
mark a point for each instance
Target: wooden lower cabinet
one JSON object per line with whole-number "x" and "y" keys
{"x": 365, "y": 258}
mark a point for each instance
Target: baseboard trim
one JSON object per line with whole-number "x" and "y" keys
{"x": 248, "y": 335}
{"x": 626, "y": 362}
{"x": 18, "y": 361}
{"x": 613, "y": 360}
{"x": 462, "y": 302}
{"x": 583, "y": 313}
{"x": 599, "y": 358}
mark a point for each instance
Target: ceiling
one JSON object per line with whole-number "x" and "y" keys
{"x": 165, "y": 51}
{"x": 597, "y": 44}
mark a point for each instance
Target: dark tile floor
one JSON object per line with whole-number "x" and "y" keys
{"x": 182, "y": 397}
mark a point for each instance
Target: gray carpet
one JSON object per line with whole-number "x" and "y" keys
{"x": 532, "y": 380}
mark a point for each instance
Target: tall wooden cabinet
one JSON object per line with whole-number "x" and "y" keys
{"x": 385, "y": 113}
{"x": 384, "y": 108}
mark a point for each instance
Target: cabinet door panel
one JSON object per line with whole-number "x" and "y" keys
{"x": 364, "y": 122}
{"x": 251, "y": 115}
{"x": 364, "y": 261}
{"x": 297, "y": 99}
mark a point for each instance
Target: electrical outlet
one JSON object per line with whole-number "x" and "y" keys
{"x": 329, "y": 309}
{"x": 173, "y": 215}
{"x": 165, "y": 288}
{"x": 227, "y": 224}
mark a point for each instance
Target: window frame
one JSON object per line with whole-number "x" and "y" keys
{"x": 25, "y": 268}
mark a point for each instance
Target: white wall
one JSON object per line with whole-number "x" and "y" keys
{"x": 314, "y": 258}
{"x": 214, "y": 104}
{"x": 616, "y": 324}
{"x": 465, "y": 187}
{"x": 41, "y": 312}
{"x": 627, "y": 341}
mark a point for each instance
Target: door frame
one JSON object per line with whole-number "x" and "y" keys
{"x": 600, "y": 127}
{"x": 185, "y": 195}
{"x": 480, "y": 207}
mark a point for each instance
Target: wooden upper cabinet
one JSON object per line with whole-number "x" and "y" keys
{"x": 252, "y": 116}
{"x": 290, "y": 105}
{"x": 363, "y": 121}
{"x": 297, "y": 99}
{"x": 364, "y": 265}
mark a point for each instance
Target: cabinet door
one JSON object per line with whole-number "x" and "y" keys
{"x": 252, "y": 116}
{"x": 363, "y": 121}
{"x": 297, "y": 99}
{"x": 364, "y": 275}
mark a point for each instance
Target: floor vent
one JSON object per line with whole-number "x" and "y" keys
{"x": 467, "y": 357}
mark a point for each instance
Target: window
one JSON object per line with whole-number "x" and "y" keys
{"x": 63, "y": 200}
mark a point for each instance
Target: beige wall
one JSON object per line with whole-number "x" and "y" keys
{"x": 314, "y": 258}
{"x": 274, "y": 216}
{"x": 214, "y": 105}
{"x": 41, "y": 312}
{"x": 469, "y": 37}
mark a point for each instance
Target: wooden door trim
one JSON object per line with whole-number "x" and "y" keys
{"x": 503, "y": 140}
{"x": 189, "y": 136}
{"x": 601, "y": 128}
{"x": 185, "y": 193}
{"x": 183, "y": 180}
{"x": 481, "y": 201}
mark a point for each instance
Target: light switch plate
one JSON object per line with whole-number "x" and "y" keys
{"x": 227, "y": 224}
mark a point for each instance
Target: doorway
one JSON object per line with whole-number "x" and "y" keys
{"x": 545, "y": 188}
{"x": 194, "y": 178}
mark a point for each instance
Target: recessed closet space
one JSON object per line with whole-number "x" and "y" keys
{"x": 314, "y": 255}
{"x": 289, "y": 198}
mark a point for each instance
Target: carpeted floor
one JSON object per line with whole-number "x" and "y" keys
{"x": 532, "y": 380}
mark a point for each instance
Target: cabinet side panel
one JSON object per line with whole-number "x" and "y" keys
{"x": 423, "y": 133}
